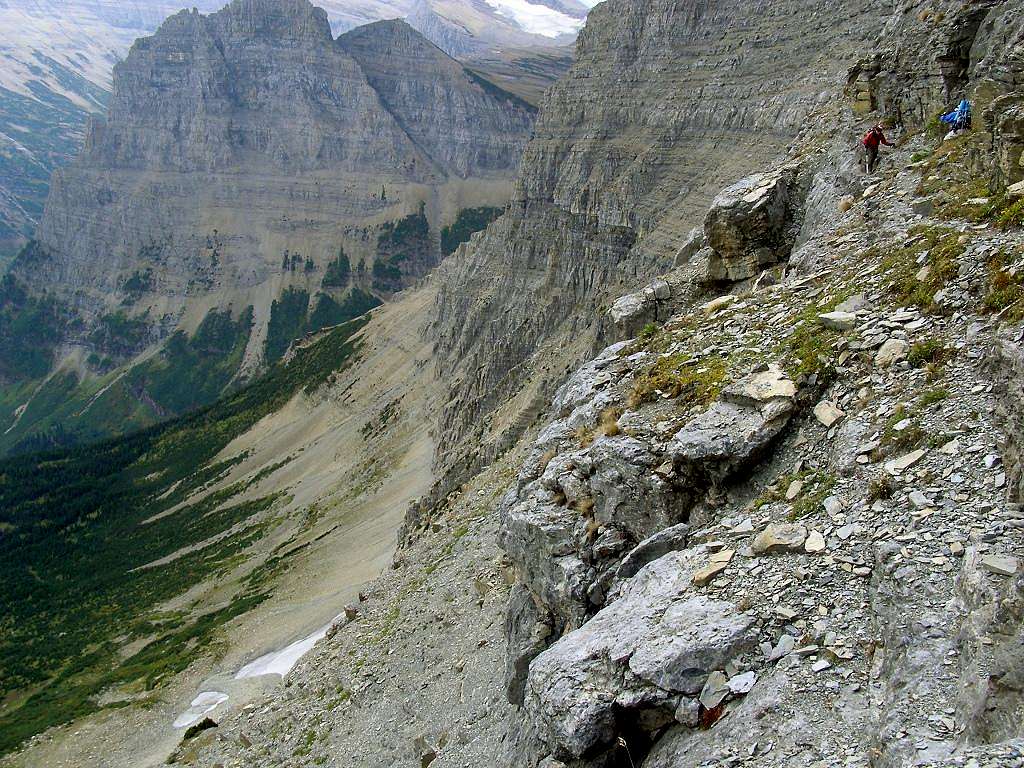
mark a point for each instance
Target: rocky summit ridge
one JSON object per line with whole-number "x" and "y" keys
{"x": 728, "y": 446}
{"x": 256, "y": 177}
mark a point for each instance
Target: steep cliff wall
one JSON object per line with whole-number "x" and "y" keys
{"x": 667, "y": 102}
{"x": 250, "y": 160}
{"x": 464, "y": 130}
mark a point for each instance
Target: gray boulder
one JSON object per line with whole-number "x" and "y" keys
{"x": 659, "y": 640}
{"x": 632, "y": 312}
{"x": 661, "y": 543}
{"x": 728, "y": 436}
{"x": 749, "y": 225}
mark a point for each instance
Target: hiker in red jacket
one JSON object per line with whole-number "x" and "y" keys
{"x": 871, "y": 140}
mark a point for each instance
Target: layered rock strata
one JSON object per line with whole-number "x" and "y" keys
{"x": 249, "y": 159}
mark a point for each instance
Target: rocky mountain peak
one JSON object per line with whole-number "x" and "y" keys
{"x": 248, "y": 158}
{"x": 284, "y": 20}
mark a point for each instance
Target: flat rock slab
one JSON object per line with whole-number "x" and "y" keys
{"x": 896, "y": 466}
{"x": 1001, "y": 565}
{"x": 838, "y": 321}
{"x": 780, "y": 537}
{"x": 760, "y": 387}
{"x": 659, "y": 639}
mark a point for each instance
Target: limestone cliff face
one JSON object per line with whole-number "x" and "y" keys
{"x": 463, "y": 130}
{"x": 928, "y": 59}
{"x": 246, "y": 154}
{"x": 667, "y": 102}
{"x": 931, "y": 56}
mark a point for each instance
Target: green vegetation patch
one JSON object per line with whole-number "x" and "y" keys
{"x": 290, "y": 318}
{"x": 962, "y": 192}
{"x": 120, "y": 336}
{"x": 816, "y": 487}
{"x": 679, "y": 377}
{"x": 932, "y": 397}
{"x": 467, "y": 223}
{"x": 191, "y": 372}
{"x": 1005, "y": 294}
{"x": 339, "y": 272}
{"x": 903, "y": 267}
{"x": 94, "y": 541}
{"x": 30, "y": 328}
{"x": 901, "y": 433}
{"x": 808, "y": 349}
{"x": 931, "y": 353}
{"x": 138, "y": 283}
{"x": 400, "y": 242}
{"x": 329, "y": 312}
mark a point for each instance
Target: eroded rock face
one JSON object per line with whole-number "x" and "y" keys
{"x": 585, "y": 517}
{"x": 652, "y": 645}
{"x": 751, "y": 224}
{"x": 1008, "y": 366}
{"x": 928, "y": 58}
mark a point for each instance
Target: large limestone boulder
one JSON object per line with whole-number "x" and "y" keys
{"x": 749, "y": 225}
{"x": 632, "y": 312}
{"x": 658, "y": 642}
{"x": 735, "y": 430}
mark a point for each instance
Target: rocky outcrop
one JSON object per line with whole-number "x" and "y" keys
{"x": 753, "y": 224}
{"x": 630, "y": 313}
{"x": 585, "y": 517}
{"x": 1008, "y": 367}
{"x": 645, "y": 657}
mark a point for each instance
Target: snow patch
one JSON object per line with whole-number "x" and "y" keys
{"x": 281, "y": 662}
{"x": 201, "y": 706}
{"x": 537, "y": 19}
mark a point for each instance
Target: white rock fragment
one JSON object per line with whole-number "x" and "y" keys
{"x": 718, "y": 304}
{"x": 895, "y": 466}
{"x": 1001, "y": 565}
{"x": 833, "y": 505}
{"x": 785, "y": 646}
{"x": 815, "y": 543}
{"x": 742, "y": 684}
{"x": 892, "y": 352}
{"x": 919, "y": 500}
{"x": 827, "y": 413}
{"x": 795, "y": 489}
{"x": 780, "y": 537}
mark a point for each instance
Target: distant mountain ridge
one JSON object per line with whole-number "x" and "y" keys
{"x": 57, "y": 59}
{"x": 254, "y": 180}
